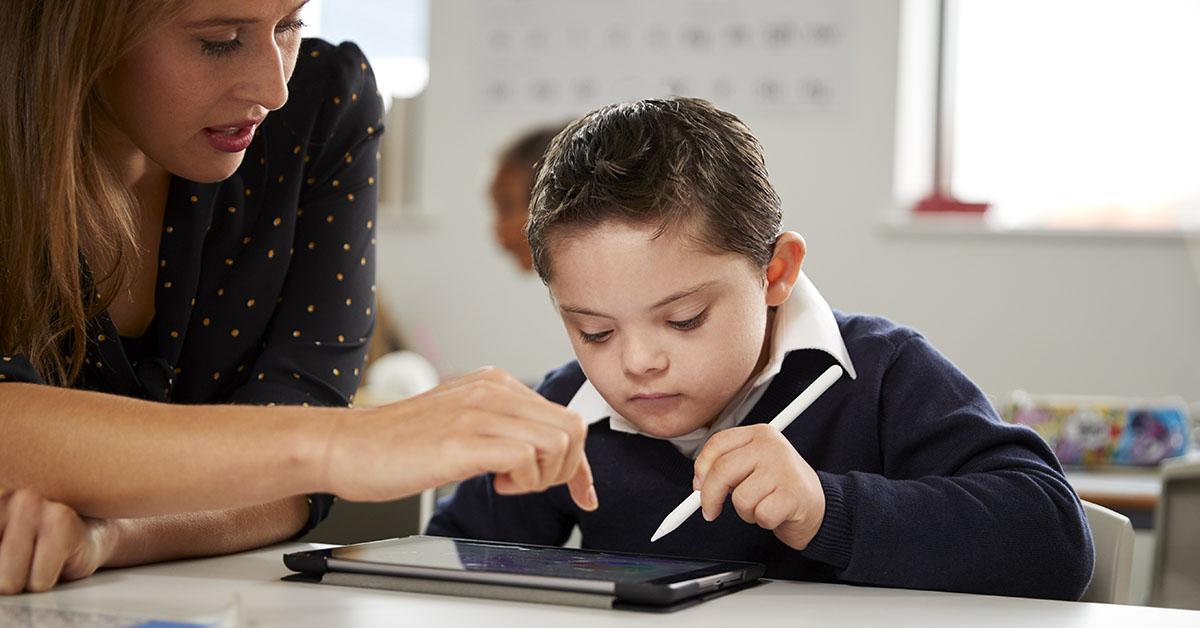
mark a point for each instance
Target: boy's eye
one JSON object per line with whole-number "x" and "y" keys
{"x": 690, "y": 323}
{"x": 596, "y": 337}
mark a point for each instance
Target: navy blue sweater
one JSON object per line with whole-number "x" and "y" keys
{"x": 925, "y": 486}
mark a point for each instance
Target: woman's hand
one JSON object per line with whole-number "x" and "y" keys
{"x": 486, "y": 421}
{"x": 42, "y": 542}
{"x": 773, "y": 487}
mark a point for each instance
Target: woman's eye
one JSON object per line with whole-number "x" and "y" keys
{"x": 288, "y": 26}
{"x": 690, "y": 323}
{"x": 596, "y": 337}
{"x": 228, "y": 46}
{"x": 219, "y": 48}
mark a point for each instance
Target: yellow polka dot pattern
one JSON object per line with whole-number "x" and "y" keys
{"x": 236, "y": 319}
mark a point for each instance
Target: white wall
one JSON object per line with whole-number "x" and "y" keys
{"x": 1048, "y": 314}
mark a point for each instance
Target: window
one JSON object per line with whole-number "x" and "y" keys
{"x": 1073, "y": 114}
{"x": 394, "y": 34}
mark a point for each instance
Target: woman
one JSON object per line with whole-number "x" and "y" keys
{"x": 186, "y": 242}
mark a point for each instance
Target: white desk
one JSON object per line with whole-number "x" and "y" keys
{"x": 179, "y": 589}
{"x": 1119, "y": 489}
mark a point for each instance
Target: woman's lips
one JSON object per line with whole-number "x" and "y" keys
{"x": 231, "y": 139}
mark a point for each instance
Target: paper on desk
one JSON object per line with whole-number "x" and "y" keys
{"x": 17, "y": 612}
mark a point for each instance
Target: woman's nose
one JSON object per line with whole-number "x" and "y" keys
{"x": 267, "y": 78}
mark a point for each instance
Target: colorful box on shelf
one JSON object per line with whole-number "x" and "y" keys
{"x": 1098, "y": 431}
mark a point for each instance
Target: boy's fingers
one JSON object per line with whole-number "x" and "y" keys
{"x": 772, "y": 510}
{"x": 582, "y": 487}
{"x": 718, "y": 445}
{"x": 747, "y": 495}
{"x": 726, "y": 472}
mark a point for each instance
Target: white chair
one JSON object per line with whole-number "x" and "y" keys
{"x": 429, "y": 500}
{"x": 1112, "y": 536}
{"x": 1175, "y": 574}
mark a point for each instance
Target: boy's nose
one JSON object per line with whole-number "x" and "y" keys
{"x": 641, "y": 358}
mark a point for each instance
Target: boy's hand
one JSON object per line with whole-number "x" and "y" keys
{"x": 773, "y": 487}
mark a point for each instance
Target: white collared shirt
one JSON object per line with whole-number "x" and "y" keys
{"x": 804, "y": 321}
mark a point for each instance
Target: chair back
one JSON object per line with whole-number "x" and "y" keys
{"x": 1112, "y": 536}
{"x": 1175, "y": 574}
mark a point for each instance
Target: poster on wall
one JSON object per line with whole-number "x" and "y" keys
{"x": 787, "y": 57}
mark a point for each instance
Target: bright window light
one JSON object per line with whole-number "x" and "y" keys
{"x": 1079, "y": 113}
{"x": 394, "y": 34}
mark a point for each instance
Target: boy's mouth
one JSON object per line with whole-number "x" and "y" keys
{"x": 652, "y": 395}
{"x": 656, "y": 403}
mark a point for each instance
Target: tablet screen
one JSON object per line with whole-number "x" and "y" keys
{"x": 459, "y": 555}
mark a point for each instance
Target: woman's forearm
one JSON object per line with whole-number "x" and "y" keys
{"x": 113, "y": 457}
{"x": 208, "y": 533}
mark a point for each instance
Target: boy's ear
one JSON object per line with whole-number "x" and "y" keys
{"x": 784, "y": 267}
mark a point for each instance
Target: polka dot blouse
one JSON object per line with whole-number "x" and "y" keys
{"x": 265, "y": 290}
{"x": 266, "y": 280}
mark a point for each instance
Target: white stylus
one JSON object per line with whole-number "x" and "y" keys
{"x": 784, "y": 419}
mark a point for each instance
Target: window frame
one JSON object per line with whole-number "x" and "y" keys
{"x": 925, "y": 203}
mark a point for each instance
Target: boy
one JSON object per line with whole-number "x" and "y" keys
{"x": 658, "y": 234}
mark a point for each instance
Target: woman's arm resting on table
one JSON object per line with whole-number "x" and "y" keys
{"x": 207, "y": 533}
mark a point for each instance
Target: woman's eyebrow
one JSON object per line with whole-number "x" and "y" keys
{"x": 222, "y": 20}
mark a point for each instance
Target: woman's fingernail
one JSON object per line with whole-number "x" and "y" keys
{"x": 695, "y": 483}
{"x": 592, "y": 499}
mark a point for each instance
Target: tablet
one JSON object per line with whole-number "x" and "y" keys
{"x": 622, "y": 578}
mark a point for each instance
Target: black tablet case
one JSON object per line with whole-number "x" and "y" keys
{"x": 498, "y": 591}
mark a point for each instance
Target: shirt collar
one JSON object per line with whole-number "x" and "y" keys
{"x": 804, "y": 321}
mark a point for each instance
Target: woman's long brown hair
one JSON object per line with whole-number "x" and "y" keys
{"x": 61, "y": 201}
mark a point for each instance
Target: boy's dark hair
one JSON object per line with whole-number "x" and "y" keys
{"x": 676, "y": 161}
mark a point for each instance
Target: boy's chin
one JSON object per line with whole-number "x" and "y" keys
{"x": 665, "y": 428}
